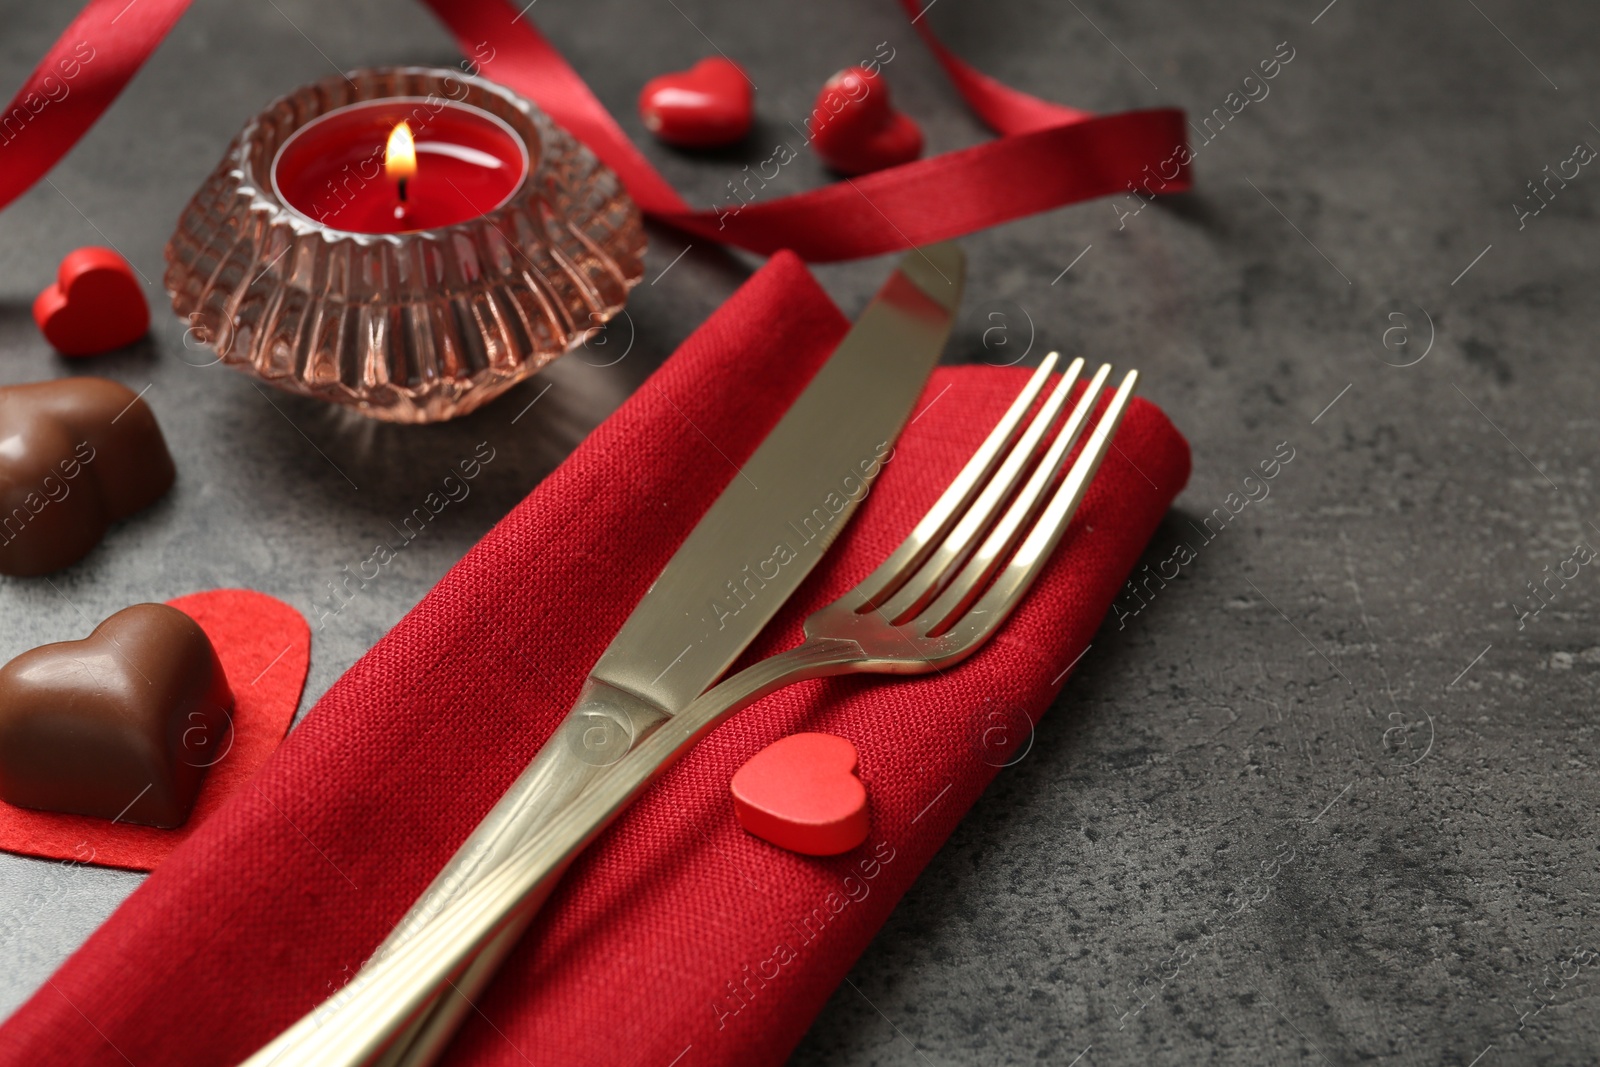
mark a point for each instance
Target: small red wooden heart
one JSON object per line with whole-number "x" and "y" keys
{"x": 855, "y": 129}
{"x": 801, "y": 793}
{"x": 95, "y": 306}
{"x": 709, "y": 104}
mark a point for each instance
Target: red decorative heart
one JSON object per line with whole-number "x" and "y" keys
{"x": 855, "y": 129}
{"x": 709, "y": 104}
{"x": 265, "y": 647}
{"x": 801, "y": 793}
{"x": 95, "y": 306}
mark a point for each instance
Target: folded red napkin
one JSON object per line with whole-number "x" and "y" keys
{"x": 678, "y": 934}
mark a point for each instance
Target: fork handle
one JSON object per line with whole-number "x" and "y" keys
{"x": 381, "y": 1002}
{"x": 567, "y": 763}
{"x": 603, "y": 723}
{"x": 425, "y": 1038}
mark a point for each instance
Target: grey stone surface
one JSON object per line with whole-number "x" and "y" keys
{"x": 1334, "y": 699}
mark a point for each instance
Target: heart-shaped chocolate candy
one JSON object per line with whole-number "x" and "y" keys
{"x": 122, "y": 724}
{"x": 75, "y": 455}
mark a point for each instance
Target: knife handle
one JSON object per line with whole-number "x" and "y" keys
{"x": 602, "y": 727}
{"x": 360, "y": 1022}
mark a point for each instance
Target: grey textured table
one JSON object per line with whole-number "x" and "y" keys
{"x": 1335, "y": 697}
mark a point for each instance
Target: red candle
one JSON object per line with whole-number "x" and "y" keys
{"x": 398, "y": 165}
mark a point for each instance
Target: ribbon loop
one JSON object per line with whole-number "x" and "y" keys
{"x": 1047, "y": 155}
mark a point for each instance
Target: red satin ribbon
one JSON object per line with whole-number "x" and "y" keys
{"x": 1047, "y": 155}
{"x": 77, "y": 79}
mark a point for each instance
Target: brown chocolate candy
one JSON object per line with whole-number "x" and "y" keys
{"x": 123, "y": 723}
{"x": 76, "y": 454}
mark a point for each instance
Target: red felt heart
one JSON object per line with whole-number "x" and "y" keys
{"x": 801, "y": 793}
{"x": 265, "y": 647}
{"x": 709, "y": 104}
{"x": 855, "y": 129}
{"x": 96, "y": 304}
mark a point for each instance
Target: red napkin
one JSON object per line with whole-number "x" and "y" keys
{"x": 678, "y": 934}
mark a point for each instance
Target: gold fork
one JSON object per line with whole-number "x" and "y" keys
{"x": 931, "y": 603}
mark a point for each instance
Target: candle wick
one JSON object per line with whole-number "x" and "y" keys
{"x": 403, "y": 189}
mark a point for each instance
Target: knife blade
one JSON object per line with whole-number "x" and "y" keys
{"x": 776, "y": 519}
{"x": 782, "y": 511}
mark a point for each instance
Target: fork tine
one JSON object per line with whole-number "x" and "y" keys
{"x": 1045, "y": 535}
{"x": 883, "y": 582}
{"x": 1042, "y": 536}
{"x": 929, "y": 576}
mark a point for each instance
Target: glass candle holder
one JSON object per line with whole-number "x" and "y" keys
{"x": 304, "y": 261}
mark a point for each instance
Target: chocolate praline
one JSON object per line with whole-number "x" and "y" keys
{"x": 76, "y": 454}
{"x": 122, "y": 724}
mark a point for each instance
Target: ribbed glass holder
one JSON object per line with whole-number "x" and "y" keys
{"x": 409, "y": 327}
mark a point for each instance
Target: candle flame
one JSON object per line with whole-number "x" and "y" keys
{"x": 400, "y": 157}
